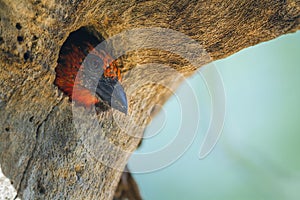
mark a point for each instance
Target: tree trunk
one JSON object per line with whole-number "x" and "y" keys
{"x": 53, "y": 149}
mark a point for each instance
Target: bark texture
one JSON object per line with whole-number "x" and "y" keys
{"x": 41, "y": 150}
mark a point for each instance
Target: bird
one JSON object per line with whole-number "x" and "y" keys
{"x": 89, "y": 76}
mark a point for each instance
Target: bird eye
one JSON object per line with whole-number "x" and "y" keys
{"x": 93, "y": 62}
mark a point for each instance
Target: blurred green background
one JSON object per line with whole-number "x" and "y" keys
{"x": 257, "y": 156}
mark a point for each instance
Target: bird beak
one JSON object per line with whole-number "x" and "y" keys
{"x": 111, "y": 91}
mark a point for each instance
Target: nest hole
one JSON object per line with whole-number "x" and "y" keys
{"x": 20, "y": 39}
{"x": 18, "y": 26}
{"x": 80, "y": 37}
{"x": 73, "y": 52}
{"x": 26, "y": 55}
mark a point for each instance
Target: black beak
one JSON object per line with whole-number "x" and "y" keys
{"x": 111, "y": 92}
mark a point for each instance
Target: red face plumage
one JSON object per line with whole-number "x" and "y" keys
{"x": 74, "y": 84}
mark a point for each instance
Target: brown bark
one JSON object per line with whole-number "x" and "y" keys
{"x": 42, "y": 151}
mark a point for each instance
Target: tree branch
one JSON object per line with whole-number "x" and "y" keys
{"x": 50, "y": 153}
